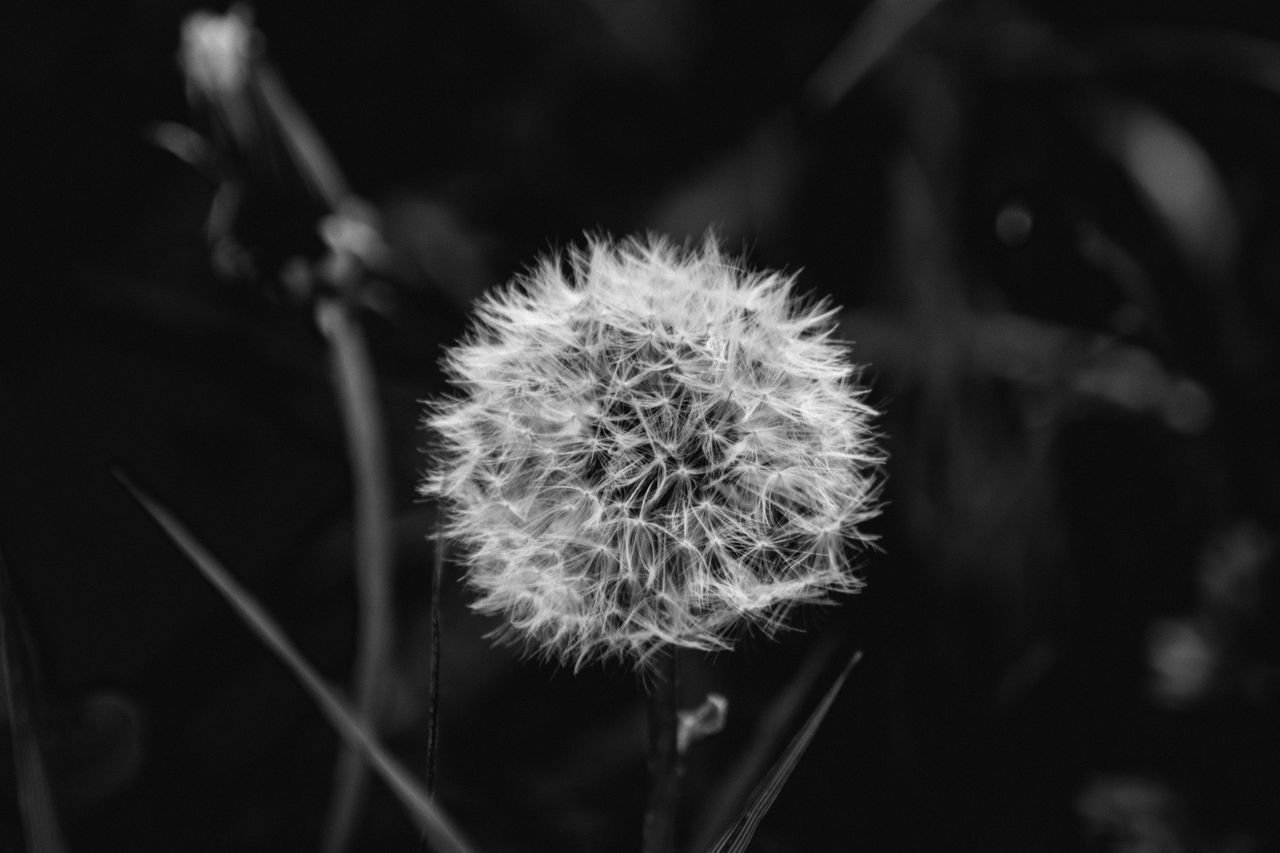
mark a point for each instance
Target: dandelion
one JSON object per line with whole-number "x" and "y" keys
{"x": 651, "y": 448}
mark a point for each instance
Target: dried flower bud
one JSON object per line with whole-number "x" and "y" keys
{"x": 657, "y": 448}
{"x": 217, "y": 52}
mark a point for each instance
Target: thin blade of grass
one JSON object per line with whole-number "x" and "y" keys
{"x": 35, "y": 799}
{"x": 736, "y": 838}
{"x": 438, "y": 829}
{"x": 774, "y": 727}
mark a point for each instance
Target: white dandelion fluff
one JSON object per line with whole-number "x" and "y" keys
{"x": 653, "y": 448}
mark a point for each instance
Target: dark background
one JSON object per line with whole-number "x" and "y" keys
{"x": 1055, "y": 228}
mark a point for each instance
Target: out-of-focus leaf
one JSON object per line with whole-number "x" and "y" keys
{"x": 437, "y": 828}
{"x": 1183, "y": 659}
{"x": 35, "y": 800}
{"x": 1201, "y": 656}
{"x": 185, "y": 144}
{"x": 100, "y": 749}
{"x": 1231, "y": 571}
{"x": 1175, "y": 176}
{"x": 1131, "y": 378}
{"x": 1147, "y": 812}
{"x": 736, "y": 838}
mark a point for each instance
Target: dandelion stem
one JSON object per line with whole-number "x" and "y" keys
{"x": 664, "y": 757}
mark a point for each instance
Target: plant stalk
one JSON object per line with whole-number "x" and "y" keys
{"x": 366, "y": 446}
{"x": 664, "y": 756}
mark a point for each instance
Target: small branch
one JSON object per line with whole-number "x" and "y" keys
{"x": 664, "y": 756}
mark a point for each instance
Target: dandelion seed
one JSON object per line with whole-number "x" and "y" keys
{"x": 655, "y": 448}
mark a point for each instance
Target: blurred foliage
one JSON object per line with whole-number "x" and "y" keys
{"x": 1054, "y": 228}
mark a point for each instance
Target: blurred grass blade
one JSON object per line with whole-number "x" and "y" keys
{"x": 438, "y": 829}
{"x": 1174, "y": 175}
{"x": 35, "y": 800}
{"x": 737, "y": 837}
{"x": 873, "y": 35}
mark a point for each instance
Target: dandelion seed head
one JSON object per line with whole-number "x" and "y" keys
{"x": 648, "y": 447}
